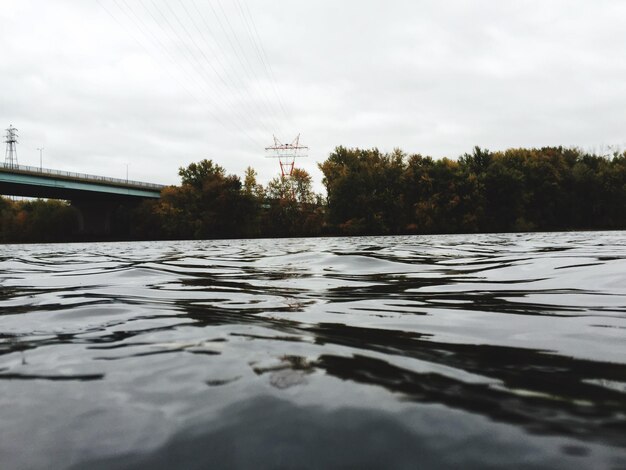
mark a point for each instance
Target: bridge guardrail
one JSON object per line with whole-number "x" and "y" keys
{"x": 82, "y": 176}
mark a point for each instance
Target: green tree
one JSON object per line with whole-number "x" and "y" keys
{"x": 293, "y": 208}
{"x": 198, "y": 174}
{"x": 363, "y": 190}
{"x": 208, "y": 204}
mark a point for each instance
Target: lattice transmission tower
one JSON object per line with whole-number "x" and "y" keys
{"x": 286, "y": 154}
{"x": 10, "y": 156}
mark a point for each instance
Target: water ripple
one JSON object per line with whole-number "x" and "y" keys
{"x": 441, "y": 340}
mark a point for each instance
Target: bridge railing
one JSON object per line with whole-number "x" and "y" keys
{"x": 81, "y": 176}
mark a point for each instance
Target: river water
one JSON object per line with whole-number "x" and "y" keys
{"x": 464, "y": 351}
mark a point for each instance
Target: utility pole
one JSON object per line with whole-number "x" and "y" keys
{"x": 40, "y": 158}
{"x": 10, "y": 156}
{"x": 127, "y": 173}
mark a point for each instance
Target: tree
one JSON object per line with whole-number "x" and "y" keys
{"x": 292, "y": 206}
{"x": 208, "y": 204}
{"x": 197, "y": 174}
{"x": 37, "y": 220}
{"x": 250, "y": 185}
{"x": 363, "y": 190}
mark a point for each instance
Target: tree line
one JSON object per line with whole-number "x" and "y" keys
{"x": 37, "y": 220}
{"x": 551, "y": 188}
{"x": 368, "y": 192}
{"x": 209, "y": 203}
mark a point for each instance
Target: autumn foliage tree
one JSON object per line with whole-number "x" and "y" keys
{"x": 208, "y": 204}
{"x": 37, "y": 220}
{"x": 551, "y": 188}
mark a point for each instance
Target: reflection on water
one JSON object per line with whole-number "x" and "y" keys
{"x": 475, "y": 351}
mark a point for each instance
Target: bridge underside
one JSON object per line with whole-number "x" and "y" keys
{"x": 42, "y": 186}
{"x": 67, "y": 194}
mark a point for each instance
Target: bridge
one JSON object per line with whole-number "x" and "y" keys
{"x": 95, "y": 197}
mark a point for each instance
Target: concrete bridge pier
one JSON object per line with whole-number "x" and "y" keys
{"x": 94, "y": 217}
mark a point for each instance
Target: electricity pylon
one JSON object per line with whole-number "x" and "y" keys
{"x": 286, "y": 154}
{"x": 10, "y": 156}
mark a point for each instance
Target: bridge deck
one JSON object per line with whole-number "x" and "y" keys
{"x": 43, "y": 182}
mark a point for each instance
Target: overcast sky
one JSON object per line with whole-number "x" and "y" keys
{"x": 158, "y": 84}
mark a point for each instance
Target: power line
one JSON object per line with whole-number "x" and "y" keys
{"x": 191, "y": 75}
{"x": 247, "y": 27}
{"x": 249, "y": 67}
{"x": 215, "y": 116}
{"x": 202, "y": 53}
{"x": 234, "y": 76}
{"x": 206, "y": 59}
{"x": 190, "y": 56}
{"x": 267, "y": 62}
{"x": 236, "y": 52}
{"x": 198, "y": 66}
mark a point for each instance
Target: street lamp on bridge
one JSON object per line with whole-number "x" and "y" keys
{"x": 40, "y": 158}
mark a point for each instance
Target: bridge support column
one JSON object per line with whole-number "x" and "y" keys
{"x": 94, "y": 217}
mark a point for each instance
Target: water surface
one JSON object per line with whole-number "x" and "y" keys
{"x": 468, "y": 351}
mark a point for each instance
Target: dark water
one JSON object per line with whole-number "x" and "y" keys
{"x": 484, "y": 351}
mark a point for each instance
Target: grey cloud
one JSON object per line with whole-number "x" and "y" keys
{"x": 430, "y": 77}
